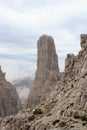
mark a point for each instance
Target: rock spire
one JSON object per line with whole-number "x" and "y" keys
{"x": 65, "y": 107}
{"x": 47, "y": 58}
{"x": 47, "y": 71}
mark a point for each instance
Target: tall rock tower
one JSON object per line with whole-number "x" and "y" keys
{"x": 47, "y": 62}
{"x": 47, "y": 72}
{"x": 9, "y": 100}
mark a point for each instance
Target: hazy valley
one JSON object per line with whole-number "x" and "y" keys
{"x": 23, "y": 86}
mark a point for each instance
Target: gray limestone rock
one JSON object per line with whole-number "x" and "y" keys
{"x": 83, "y": 38}
{"x": 9, "y": 100}
{"x": 47, "y": 72}
{"x": 47, "y": 61}
{"x": 65, "y": 106}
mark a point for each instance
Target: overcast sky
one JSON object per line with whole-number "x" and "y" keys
{"x": 22, "y": 22}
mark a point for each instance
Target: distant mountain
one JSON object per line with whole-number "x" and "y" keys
{"x": 22, "y": 86}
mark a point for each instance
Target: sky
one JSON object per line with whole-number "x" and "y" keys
{"x": 22, "y": 22}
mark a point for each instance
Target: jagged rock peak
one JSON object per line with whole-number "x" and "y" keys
{"x": 83, "y": 38}
{"x": 65, "y": 107}
{"x": 47, "y": 71}
{"x": 2, "y": 75}
{"x": 9, "y": 100}
{"x": 47, "y": 57}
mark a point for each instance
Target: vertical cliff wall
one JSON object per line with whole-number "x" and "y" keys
{"x": 47, "y": 72}
{"x": 9, "y": 100}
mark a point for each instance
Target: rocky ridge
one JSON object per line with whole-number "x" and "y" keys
{"x": 65, "y": 107}
{"x": 9, "y": 100}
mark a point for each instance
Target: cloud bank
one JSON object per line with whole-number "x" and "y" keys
{"x": 23, "y": 21}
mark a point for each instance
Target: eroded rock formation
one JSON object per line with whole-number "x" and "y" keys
{"x": 9, "y": 100}
{"x": 65, "y": 107}
{"x": 72, "y": 88}
{"x": 47, "y": 72}
{"x": 47, "y": 62}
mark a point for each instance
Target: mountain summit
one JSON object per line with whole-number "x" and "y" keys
{"x": 47, "y": 72}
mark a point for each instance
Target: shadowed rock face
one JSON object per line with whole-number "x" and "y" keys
{"x": 47, "y": 71}
{"x": 9, "y": 100}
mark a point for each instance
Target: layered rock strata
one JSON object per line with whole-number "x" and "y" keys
{"x": 9, "y": 100}
{"x": 47, "y": 72}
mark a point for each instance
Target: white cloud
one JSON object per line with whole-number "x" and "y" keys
{"x": 23, "y": 21}
{"x": 44, "y": 16}
{"x": 15, "y": 51}
{"x": 17, "y": 68}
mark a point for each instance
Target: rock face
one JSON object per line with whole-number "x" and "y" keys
{"x": 83, "y": 38}
{"x": 65, "y": 107}
{"x": 71, "y": 90}
{"x": 47, "y": 72}
{"x": 47, "y": 62}
{"x": 9, "y": 100}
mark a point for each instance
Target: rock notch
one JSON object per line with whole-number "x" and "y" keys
{"x": 9, "y": 100}
{"x": 47, "y": 72}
